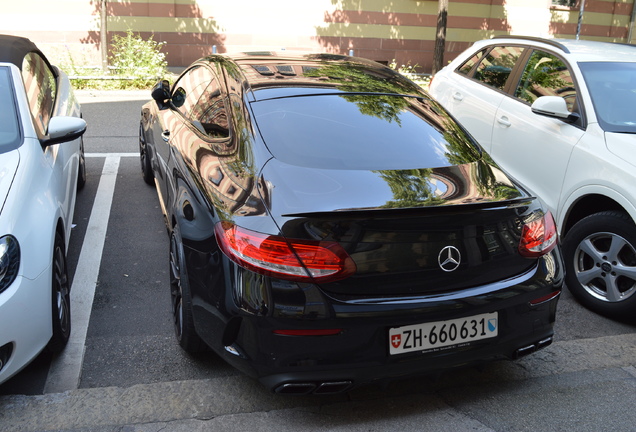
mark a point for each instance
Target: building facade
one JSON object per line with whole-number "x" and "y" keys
{"x": 381, "y": 30}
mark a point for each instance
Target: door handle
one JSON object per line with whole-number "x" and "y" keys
{"x": 458, "y": 96}
{"x": 165, "y": 135}
{"x": 503, "y": 120}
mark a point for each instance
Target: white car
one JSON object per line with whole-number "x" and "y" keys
{"x": 41, "y": 168}
{"x": 560, "y": 117}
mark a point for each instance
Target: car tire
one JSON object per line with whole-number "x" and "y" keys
{"x": 81, "y": 171}
{"x": 61, "y": 298}
{"x": 181, "y": 299}
{"x": 144, "y": 157}
{"x": 600, "y": 261}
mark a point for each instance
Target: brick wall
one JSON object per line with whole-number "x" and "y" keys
{"x": 381, "y": 30}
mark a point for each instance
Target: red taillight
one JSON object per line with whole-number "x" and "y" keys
{"x": 299, "y": 260}
{"x": 538, "y": 237}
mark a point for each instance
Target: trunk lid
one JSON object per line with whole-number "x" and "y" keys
{"x": 410, "y": 232}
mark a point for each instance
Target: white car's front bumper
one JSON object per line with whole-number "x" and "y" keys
{"x": 25, "y": 322}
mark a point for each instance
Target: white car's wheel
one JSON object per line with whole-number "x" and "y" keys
{"x": 61, "y": 299}
{"x": 81, "y": 174}
{"x": 600, "y": 258}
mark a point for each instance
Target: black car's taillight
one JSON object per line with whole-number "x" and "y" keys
{"x": 291, "y": 259}
{"x": 538, "y": 237}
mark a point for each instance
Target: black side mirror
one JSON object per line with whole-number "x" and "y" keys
{"x": 161, "y": 93}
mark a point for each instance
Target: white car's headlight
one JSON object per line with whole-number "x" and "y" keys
{"x": 9, "y": 260}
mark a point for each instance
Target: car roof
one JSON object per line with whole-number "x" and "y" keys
{"x": 270, "y": 74}
{"x": 584, "y": 50}
{"x": 579, "y": 50}
{"x": 13, "y": 49}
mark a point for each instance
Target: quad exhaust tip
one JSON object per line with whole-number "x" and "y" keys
{"x": 335, "y": 387}
{"x": 529, "y": 349}
{"x": 316, "y": 388}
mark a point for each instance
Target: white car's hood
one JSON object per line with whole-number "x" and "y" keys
{"x": 622, "y": 145}
{"x": 8, "y": 165}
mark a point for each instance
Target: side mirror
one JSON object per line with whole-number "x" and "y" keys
{"x": 161, "y": 93}
{"x": 553, "y": 106}
{"x": 64, "y": 129}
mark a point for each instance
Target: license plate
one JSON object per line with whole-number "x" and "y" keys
{"x": 428, "y": 336}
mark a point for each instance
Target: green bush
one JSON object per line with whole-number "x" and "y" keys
{"x": 134, "y": 63}
{"x": 139, "y": 59}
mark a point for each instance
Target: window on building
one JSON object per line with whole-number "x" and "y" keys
{"x": 567, "y": 3}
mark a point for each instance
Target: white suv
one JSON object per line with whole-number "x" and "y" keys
{"x": 560, "y": 117}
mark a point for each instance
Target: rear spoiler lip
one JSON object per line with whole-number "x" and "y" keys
{"x": 450, "y": 208}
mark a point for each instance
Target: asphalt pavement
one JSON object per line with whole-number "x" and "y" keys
{"x": 585, "y": 381}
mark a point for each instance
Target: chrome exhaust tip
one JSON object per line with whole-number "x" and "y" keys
{"x": 321, "y": 388}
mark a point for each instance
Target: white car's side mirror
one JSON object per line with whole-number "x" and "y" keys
{"x": 63, "y": 129}
{"x": 553, "y": 106}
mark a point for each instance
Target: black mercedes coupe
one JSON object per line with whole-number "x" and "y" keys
{"x": 331, "y": 225}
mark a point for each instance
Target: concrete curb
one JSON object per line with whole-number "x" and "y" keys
{"x": 94, "y": 96}
{"x": 189, "y": 405}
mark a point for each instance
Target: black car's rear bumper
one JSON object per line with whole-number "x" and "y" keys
{"x": 359, "y": 354}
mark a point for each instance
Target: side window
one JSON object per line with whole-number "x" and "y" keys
{"x": 470, "y": 63}
{"x": 41, "y": 88}
{"x": 546, "y": 75}
{"x": 495, "y": 68}
{"x": 210, "y": 113}
{"x": 197, "y": 96}
{"x": 189, "y": 89}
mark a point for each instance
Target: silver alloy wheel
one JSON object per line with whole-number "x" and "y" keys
{"x": 61, "y": 291}
{"x": 60, "y": 299}
{"x": 604, "y": 266}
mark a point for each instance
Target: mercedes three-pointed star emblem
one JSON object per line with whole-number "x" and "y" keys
{"x": 449, "y": 258}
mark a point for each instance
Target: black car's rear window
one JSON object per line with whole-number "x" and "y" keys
{"x": 366, "y": 132}
{"x": 9, "y": 125}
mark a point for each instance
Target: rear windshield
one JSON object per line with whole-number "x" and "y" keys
{"x": 9, "y": 126}
{"x": 365, "y": 132}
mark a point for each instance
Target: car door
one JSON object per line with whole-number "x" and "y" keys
{"x": 41, "y": 86}
{"x": 169, "y": 129}
{"x": 477, "y": 87}
{"x": 208, "y": 180}
{"x": 536, "y": 149}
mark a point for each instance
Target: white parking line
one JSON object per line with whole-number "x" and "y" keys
{"x": 65, "y": 371}
{"x": 107, "y": 155}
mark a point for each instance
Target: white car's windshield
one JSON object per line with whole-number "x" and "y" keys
{"x": 9, "y": 126}
{"x": 612, "y": 86}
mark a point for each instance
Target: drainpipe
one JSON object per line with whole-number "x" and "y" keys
{"x": 578, "y": 26}
{"x": 631, "y": 23}
{"x": 103, "y": 34}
